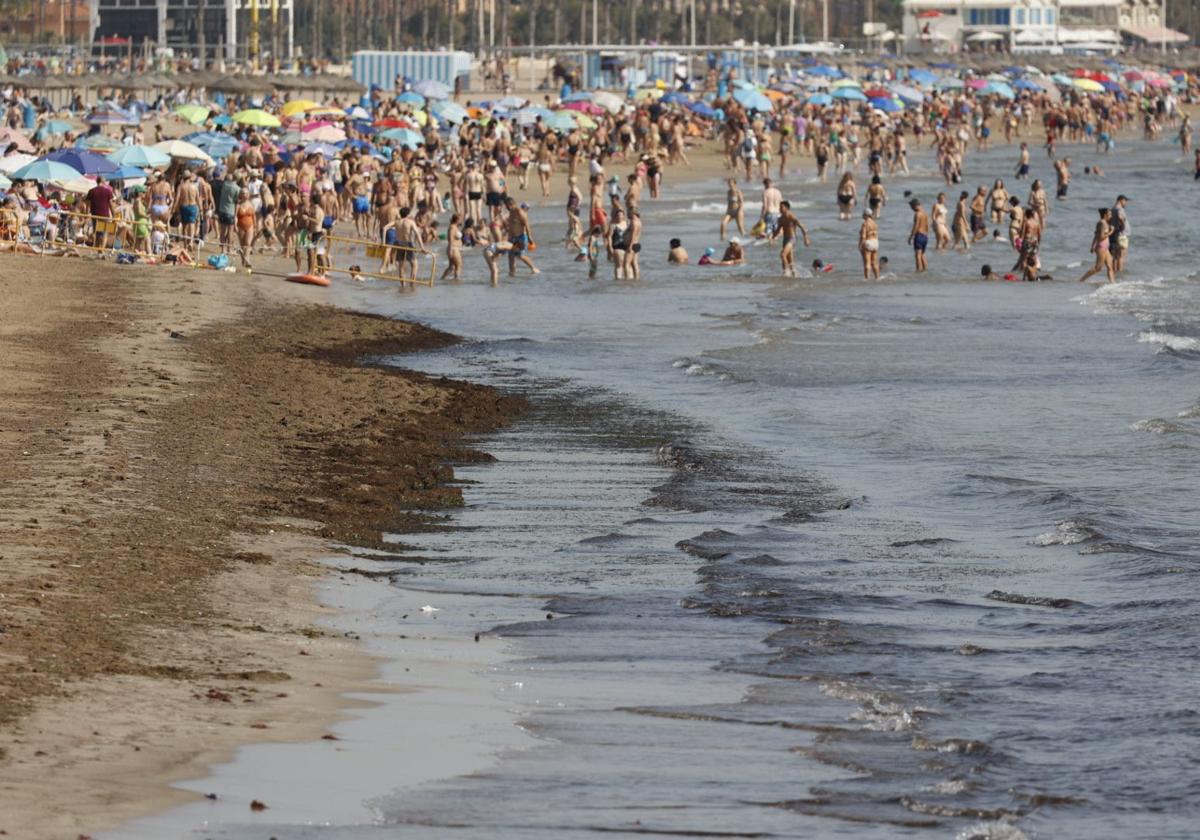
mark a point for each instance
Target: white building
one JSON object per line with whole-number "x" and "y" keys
{"x": 176, "y": 23}
{"x": 1075, "y": 26}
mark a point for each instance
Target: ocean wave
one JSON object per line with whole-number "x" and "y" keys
{"x": 713, "y": 208}
{"x": 1159, "y": 426}
{"x": 1031, "y": 600}
{"x": 996, "y": 830}
{"x": 1070, "y": 532}
{"x": 1170, "y": 340}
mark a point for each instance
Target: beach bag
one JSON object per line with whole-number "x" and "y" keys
{"x": 219, "y": 261}
{"x": 126, "y": 258}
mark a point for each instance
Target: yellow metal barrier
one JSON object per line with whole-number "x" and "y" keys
{"x": 384, "y": 253}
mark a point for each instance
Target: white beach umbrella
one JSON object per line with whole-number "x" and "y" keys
{"x": 183, "y": 150}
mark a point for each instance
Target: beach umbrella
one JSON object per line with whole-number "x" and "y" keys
{"x": 194, "y": 114}
{"x": 561, "y": 121}
{"x": 55, "y": 127}
{"x": 77, "y": 184}
{"x": 297, "y": 106}
{"x": 841, "y": 83}
{"x": 702, "y": 109}
{"x": 675, "y": 98}
{"x": 99, "y": 143}
{"x": 83, "y": 161}
{"x": 753, "y": 100}
{"x": 1112, "y": 87}
{"x": 324, "y": 134}
{"x": 183, "y": 150}
{"x": 411, "y": 98}
{"x": 15, "y": 161}
{"x": 44, "y": 171}
{"x": 824, "y": 70}
{"x": 888, "y": 106}
{"x": 583, "y": 108}
{"x": 323, "y": 149}
{"x": 908, "y": 94}
{"x": 819, "y": 99}
{"x": 5, "y": 184}
{"x": 877, "y": 93}
{"x": 977, "y": 84}
{"x": 358, "y": 112}
{"x": 146, "y": 157}
{"x": 8, "y": 136}
{"x": 404, "y": 137}
{"x": 948, "y": 83}
{"x": 1060, "y": 79}
{"x": 648, "y": 94}
{"x": 578, "y": 96}
{"x": 528, "y": 116}
{"x": 111, "y": 117}
{"x": 432, "y": 89}
{"x": 1001, "y": 89}
{"x": 512, "y": 103}
{"x": 257, "y": 117}
{"x": 608, "y": 101}
{"x": 394, "y": 124}
{"x": 213, "y": 143}
{"x": 127, "y": 173}
{"x": 922, "y": 76}
{"x": 849, "y": 93}
{"x": 1025, "y": 84}
{"x": 1089, "y": 85}
{"x": 584, "y": 121}
{"x": 448, "y": 111}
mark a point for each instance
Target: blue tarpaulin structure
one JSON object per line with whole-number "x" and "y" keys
{"x": 381, "y": 67}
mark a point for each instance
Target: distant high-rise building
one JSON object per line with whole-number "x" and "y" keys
{"x": 220, "y": 27}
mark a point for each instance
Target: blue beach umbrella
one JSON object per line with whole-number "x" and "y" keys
{"x": 824, "y": 70}
{"x": 819, "y": 99}
{"x": 411, "y": 98}
{"x": 127, "y": 173}
{"x": 46, "y": 170}
{"x": 1025, "y": 84}
{"x": 948, "y": 83}
{"x": 84, "y": 161}
{"x": 53, "y": 127}
{"x": 212, "y": 143}
{"x": 561, "y": 121}
{"x": 851, "y": 93}
{"x": 753, "y": 100}
{"x": 675, "y": 97}
{"x": 403, "y": 136}
{"x": 142, "y": 156}
{"x": 448, "y": 111}
{"x": 322, "y": 149}
{"x": 432, "y": 89}
{"x": 702, "y": 109}
{"x": 889, "y": 106}
{"x": 111, "y": 117}
{"x": 578, "y": 96}
{"x": 908, "y": 94}
{"x": 98, "y": 143}
{"x": 222, "y": 120}
{"x": 1000, "y": 89}
{"x": 922, "y": 76}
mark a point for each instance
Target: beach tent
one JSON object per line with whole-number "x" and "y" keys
{"x": 381, "y": 68}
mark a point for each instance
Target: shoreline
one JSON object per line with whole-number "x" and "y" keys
{"x": 186, "y": 446}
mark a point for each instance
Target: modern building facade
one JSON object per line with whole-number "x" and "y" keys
{"x": 221, "y": 27}
{"x": 1092, "y": 26}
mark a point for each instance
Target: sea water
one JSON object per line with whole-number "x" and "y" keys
{"x": 826, "y": 558}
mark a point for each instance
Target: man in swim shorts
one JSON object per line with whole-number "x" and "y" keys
{"x": 918, "y": 236}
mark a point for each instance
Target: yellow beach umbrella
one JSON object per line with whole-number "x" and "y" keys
{"x": 195, "y": 114}
{"x": 327, "y": 111}
{"x": 257, "y": 117}
{"x": 646, "y": 94}
{"x": 1089, "y": 85}
{"x": 584, "y": 121}
{"x": 297, "y": 106}
{"x": 420, "y": 117}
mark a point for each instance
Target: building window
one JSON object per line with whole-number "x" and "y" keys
{"x": 1020, "y": 17}
{"x": 1049, "y": 17}
{"x": 1035, "y": 17}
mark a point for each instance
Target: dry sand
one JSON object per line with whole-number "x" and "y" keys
{"x": 175, "y": 448}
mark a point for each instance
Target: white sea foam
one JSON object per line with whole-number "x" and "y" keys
{"x": 1159, "y": 426}
{"x": 1066, "y": 533}
{"x": 1166, "y": 339}
{"x": 996, "y": 830}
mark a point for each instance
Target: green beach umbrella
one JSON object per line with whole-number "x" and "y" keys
{"x": 257, "y": 117}
{"x": 194, "y": 114}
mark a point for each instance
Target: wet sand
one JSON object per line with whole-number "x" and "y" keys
{"x": 178, "y": 448}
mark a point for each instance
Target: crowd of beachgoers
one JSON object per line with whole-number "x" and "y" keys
{"x": 226, "y": 173}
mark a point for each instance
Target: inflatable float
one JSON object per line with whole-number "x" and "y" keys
{"x": 308, "y": 279}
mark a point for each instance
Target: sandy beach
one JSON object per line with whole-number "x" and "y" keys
{"x": 180, "y": 446}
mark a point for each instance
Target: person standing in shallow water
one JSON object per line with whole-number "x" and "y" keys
{"x": 1100, "y": 247}
{"x": 918, "y": 236}
{"x": 868, "y": 246}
